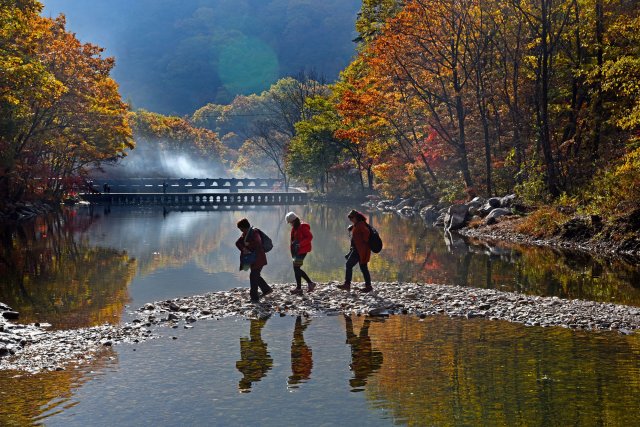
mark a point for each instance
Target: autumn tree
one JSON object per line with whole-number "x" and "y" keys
{"x": 315, "y": 149}
{"x": 61, "y": 111}
{"x": 280, "y": 108}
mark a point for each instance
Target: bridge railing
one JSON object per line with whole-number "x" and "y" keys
{"x": 197, "y": 199}
{"x": 185, "y": 185}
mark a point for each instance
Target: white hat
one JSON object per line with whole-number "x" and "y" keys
{"x": 290, "y": 217}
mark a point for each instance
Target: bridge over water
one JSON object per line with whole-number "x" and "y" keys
{"x": 185, "y": 185}
{"x": 191, "y": 192}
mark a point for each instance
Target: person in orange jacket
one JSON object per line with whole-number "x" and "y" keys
{"x": 300, "y": 246}
{"x": 360, "y": 252}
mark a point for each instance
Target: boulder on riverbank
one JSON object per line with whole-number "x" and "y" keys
{"x": 456, "y": 217}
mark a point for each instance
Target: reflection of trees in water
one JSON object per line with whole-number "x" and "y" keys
{"x": 412, "y": 252}
{"x": 51, "y": 275}
{"x": 547, "y": 271}
{"x": 25, "y": 398}
{"x": 365, "y": 360}
{"x": 301, "y": 354}
{"x": 255, "y": 361}
{"x": 415, "y": 253}
{"x": 445, "y": 371}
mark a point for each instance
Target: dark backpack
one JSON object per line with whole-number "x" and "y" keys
{"x": 267, "y": 243}
{"x": 375, "y": 242}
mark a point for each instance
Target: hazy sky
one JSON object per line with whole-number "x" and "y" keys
{"x": 173, "y": 56}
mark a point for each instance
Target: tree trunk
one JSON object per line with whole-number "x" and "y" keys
{"x": 597, "y": 106}
{"x": 544, "y": 132}
{"x": 370, "y": 178}
{"x": 462, "y": 147}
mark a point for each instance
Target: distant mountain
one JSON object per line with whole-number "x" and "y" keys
{"x": 173, "y": 56}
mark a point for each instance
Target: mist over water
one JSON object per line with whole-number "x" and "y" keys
{"x": 152, "y": 160}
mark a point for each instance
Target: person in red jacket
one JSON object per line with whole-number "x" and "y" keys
{"x": 252, "y": 257}
{"x": 360, "y": 252}
{"x": 300, "y": 246}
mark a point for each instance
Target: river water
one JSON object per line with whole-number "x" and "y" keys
{"x": 90, "y": 266}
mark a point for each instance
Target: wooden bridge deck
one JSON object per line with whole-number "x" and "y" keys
{"x": 197, "y": 199}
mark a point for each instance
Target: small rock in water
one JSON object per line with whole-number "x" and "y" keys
{"x": 11, "y": 315}
{"x": 379, "y": 312}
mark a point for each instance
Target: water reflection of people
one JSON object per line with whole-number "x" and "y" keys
{"x": 365, "y": 360}
{"x": 255, "y": 361}
{"x": 301, "y": 355}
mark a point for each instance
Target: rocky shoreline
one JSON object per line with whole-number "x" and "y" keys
{"x": 22, "y": 211}
{"x": 33, "y": 349}
{"x": 504, "y": 231}
{"x": 496, "y": 218}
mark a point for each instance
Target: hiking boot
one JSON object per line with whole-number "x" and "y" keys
{"x": 366, "y": 289}
{"x": 346, "y": 286}
{"x": 254, "y": 301}
{"x": 267, "y": 292}
{"x": 296, "y": 291}
{"x": 311, "y": 286}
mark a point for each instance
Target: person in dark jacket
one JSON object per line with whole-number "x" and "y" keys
{"x": 359, "y": 253}
{"x": 300, "y": 246}
{"x": 253, "y": 258}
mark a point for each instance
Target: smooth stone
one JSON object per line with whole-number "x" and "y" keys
{"x": 11, "y": 315}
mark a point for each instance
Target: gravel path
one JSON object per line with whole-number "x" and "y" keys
{"x": 31, "y": 348}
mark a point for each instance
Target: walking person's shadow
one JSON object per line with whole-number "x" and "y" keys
{"x": 365, "y": 360}
{"x": 301, "y": 355}
{"x": 255, "y": 361}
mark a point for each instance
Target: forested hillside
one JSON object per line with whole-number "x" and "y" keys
{"x": 174, "y": 56}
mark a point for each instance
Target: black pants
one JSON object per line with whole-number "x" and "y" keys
{"x": 299, "y": 272}
{"x": 256, "y": 281}
{"x": 353, "y": 259}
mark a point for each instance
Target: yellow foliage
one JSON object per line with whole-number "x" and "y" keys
{"x": 543, "y": 223}
{"x": 616, "y": 187}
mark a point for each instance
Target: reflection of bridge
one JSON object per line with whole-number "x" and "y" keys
{"x": 185, "y": 185}
{"x": 198, "y": 199}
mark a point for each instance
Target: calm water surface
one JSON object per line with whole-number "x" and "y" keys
{"x": 84, "y": 267}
